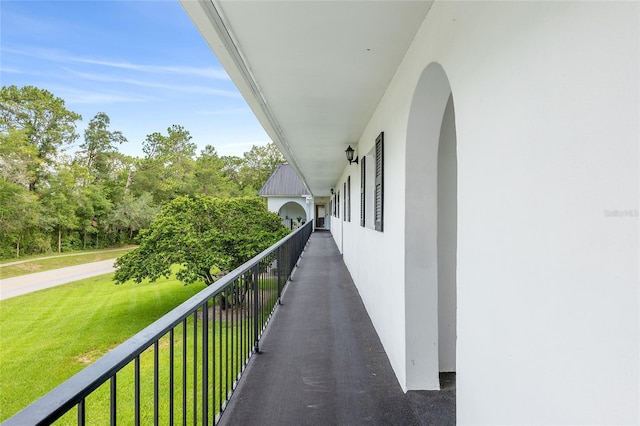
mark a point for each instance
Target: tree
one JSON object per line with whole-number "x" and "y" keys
{"x": 17, "y": 157}
{"x": 93, "y": 206}
{"x": 133, "y": 214}
{"x": 46, "y": 122}
{"x": 19, "y": 215}
{"x": 209, "y": 175}
{"x": 167, "y": 169}
{"x": 61, "y": 199}
{"x": 258, "y": 164}
{"x": 202, "y": 235}
{"x": 99, "y": 145}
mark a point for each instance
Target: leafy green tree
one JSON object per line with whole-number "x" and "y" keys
{"x": 99, "y": 145}
{"x": 202, "y": 234}
{"x": 133, "y": 213}
{"x": 209, "y": 176}
{"x": 19, "y": 216}
{"x": 167, "y": 169}
{"x": 122, "y": 171}
{"x": 93, "y": 206}
{"x": 258, "y": 164}
{"x": 231, "y": 168}
{"x": 17, "y": 156}
{"x": 47, "y": 124}
{"x": 60, "y": 201}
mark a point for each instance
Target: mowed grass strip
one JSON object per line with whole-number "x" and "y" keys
{"x": 49, "y": 335}
{"x": 220, "y": 367}
{"x": 62, "y": 261}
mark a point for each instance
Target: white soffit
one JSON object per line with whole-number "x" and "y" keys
{"x": 312, "y": 71}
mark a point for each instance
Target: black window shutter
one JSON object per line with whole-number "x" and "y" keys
{"x": 379, "y": 184}
{"x": 346, "y": 200}
{"x": 362, "y": 189}
{"x": 349, "y": 196}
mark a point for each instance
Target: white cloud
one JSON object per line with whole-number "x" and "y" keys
{"x": 61, "y": 57}
{"x": 11, "y": 70}
{"x": 209, "y": 72}
{"x": 76, "y": 96}
{"x": 156, "y": 85}
{"x": 224, "y": 111}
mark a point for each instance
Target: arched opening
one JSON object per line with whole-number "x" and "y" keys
{"x": 447, "y": 240}
{"x": 430, "y": 232}
{"x": 293, "y": 215}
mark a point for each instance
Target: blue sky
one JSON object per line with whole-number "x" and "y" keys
{"x": 142, "y": 62}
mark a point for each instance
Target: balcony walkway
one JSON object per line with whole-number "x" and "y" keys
{"x": 322, "y": 362}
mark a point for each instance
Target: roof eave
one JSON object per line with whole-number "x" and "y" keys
{"x": 211, "y": 23}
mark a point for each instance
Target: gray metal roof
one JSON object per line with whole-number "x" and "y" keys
{"x": 283, "y": 181}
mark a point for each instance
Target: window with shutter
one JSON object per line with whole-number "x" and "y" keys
{"x": 379, "y": 184}
{"x": 363, "y": 174}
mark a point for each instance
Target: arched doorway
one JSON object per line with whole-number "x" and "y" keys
{"x": 293, "y": 215}
{"x": 430, "y": 232}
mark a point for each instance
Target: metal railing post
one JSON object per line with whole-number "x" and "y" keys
{"x": 256, "y": 309}
{"x": 279, "y": 257}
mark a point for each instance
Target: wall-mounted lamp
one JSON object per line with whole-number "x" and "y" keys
{"x": 331, "y": 191}
{"x": 349, "y": 151}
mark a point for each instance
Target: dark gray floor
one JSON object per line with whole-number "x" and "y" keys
{"x": 322, "y": 362}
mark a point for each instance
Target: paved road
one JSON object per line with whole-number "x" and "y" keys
{"x": 24, "y": 284}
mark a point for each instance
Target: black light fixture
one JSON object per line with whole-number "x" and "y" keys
{"x": 331, "y": 191}
{"x": 349, "y": 151}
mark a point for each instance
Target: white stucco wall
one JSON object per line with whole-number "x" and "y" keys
{"x": 546, "y": 107}
{"x": 276, "y": 204}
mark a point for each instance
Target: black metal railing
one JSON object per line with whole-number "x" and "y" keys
{"x": 183, "y": 368}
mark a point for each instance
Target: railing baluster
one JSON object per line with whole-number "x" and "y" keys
{"x": 184, "y": 372}
{"x": 221, "y": 389}
{"x": 136, "y": 390}
{"x": 256, "y": 293}
{"x": 81, "y": 413}
{"x": 236, "y": 333}
{"x": 213, "y": 356}
{"x": 156, "y": 383}
{"x": 234, "y": 336}
{"x": 205, "y": 363}
{"x": 171, "y": 375}
{"x": 226, "y": 349}
{"x": 279, "y": 270}
{"x": 112, "y": 403}
{"x": 195, "y": 368}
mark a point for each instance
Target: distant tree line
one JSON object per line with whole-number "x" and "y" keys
{"x": 53, "y": 200}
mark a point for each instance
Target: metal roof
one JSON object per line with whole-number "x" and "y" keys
{"x": 283, "y": 181}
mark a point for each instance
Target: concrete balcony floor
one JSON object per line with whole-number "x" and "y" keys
{"x": 322, "y": 362}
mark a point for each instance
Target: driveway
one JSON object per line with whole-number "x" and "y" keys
{"x": 24, "y": 284}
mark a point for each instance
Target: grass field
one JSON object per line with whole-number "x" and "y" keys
{"x": 49, "y": 335}
{"x": 46, "y": 263}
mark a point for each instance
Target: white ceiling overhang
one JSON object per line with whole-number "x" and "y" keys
{"x": 313, "y": 72}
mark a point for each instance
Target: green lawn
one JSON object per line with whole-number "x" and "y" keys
{"x": 49, "y": 335}
{"x": 48, "y": 262}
